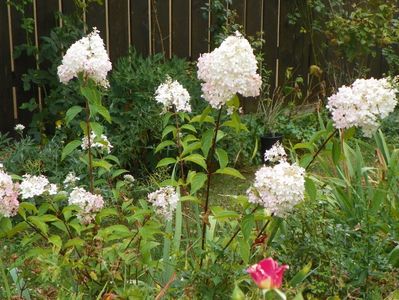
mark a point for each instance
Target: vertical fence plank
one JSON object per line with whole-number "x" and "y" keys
{"x": 22, "y": 63}
{"x": 181, "y": 27}
{"x": 160, "y": 26}
{"x": 140, "y": 26}
{"x": 118, "y": 29}
{"x": 270, "y": 26}
{"x": 6, "y": 102}
{"x": 68, "y": 7}
{"x": 254, "y": 17}
{"x": 239, "y": 6}
{"x": 294, "y": 46}
{"x": 199, "y": 28}
{"x": 96, "y": 18}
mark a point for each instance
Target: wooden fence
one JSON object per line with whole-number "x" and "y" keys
{"x": 131, "y": 22}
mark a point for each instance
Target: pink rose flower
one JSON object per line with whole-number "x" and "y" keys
{"x": 267, "y": 274}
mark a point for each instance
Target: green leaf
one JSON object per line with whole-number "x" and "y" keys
{"x": 104, "y": 213}
{"x": 5, "y": 225}
{"x": 189, "y": 127}
{"x": 71, "y": 113}
{"x": 197, "y": 159}
{"x": 103, "y": 111}
{"x": 222, "y": 157}
{"x": 301, "y": 275}
{"x": 206, "y": 141}
{"x": 75, "y": 242}
{"x": 97, "y": 128}
{"x": 166, "y": 161}
{"x": 56, "y": 241}
{"x": 102, "y": 164}
{"x": 38, "y": 223}
{"x": 163, "y": 145}
{"x": 245, "y": 250}
{"x": 310, "y": 188}
{"x": 168, "y": 129}
{"x": 230, "y": 171}
{"x": 336, "y": 151}
{"x": 393, "y": 257}
{"x": 69, "y": 148}
{"x": 247, "y": 224}
{"x": 119, "y": 172}
{"x": 197, "y": 182}
{"x": 222, "y": 214}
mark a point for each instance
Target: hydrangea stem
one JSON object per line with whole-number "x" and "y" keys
{"x": 321, "y": 148}
{"x": 90, "y": 158}
{"x": 209, "y": 174}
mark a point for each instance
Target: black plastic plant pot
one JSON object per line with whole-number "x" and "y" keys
{"x": 267, "y": 141}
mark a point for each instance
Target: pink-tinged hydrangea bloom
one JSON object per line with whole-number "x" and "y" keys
{"x": 8, "y": 196}
{"x": 32, "y": 186}
{"x": 267, "y": 274}
{"x": 165, "y": 200}
{"x": 278, "y": 188}
{"x": 363, "y": 104}
{"x": 87, "y": 202}
{"x": 87, "y": 56}
{"x": 172, "y": 94}
{"x": 228, "y": 70}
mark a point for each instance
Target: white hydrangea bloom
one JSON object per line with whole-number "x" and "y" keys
{"x": 278, "y": 188}
{"x": 363, "y": 104}
{"x": 87, "y": 56}
{"x": 70, "y": 179}
{"x": 165, "y": 200}
{"x": 276, "y": 153}
{"x": 32, "y": 186}
{"x": 228, "y": 70}
{"x": 8, "y": 196}
{"x": 87, "y": 202}
{"x": 19, "y": 127}
{"x": 100, "y": 143}
{"x": 172, "y": 93}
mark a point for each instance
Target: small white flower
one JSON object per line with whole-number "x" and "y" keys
{"x": 32, "y": 186}
{"x": 165, "y": 200}
{"x": 88, "y": 203}
{"x": 173, "y": 94}
{"x": 70, "y": 179}
{"x": 129, "y": 178}
{"x": 276, "y": 153}
{"x": 19, "y": 127}
{"x": 100, "y": 143}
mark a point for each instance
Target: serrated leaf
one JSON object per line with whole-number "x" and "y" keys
{"x": 69, "y": 148}
{"x": 222, "y": 157}
{"x": 166, "y": 161}
{"x": 245, "y": 250}
{"x": 163, "y": 145}
{"x": 301, "y": 275}
{"x": 197, "y": 159}
{"x": 189, "y": 127}
{"x": 247, "y": 224}
{"x": 230, "y": 171}
{"x": 72, "y": 113}
{"x": 310, "y": 188}
{"x": 197, "y": 182}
